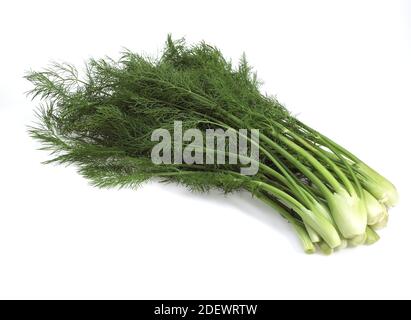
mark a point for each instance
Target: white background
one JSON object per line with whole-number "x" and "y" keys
{"x": 342, "y": 66}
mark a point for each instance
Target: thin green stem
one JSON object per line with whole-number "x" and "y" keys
{"x": 297, "y": 225}
{"x": 313, "y": 161}
{"x": 317, "y": 151}
{"x": 306, "y": 171}
{"x": 341, "y": 149}
{"x": 324, "y": 189}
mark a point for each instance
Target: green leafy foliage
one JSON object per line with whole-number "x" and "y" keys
{"x": 101, "y": 120}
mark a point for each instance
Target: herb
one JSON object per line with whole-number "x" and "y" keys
{"x": 102, "y": 122}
